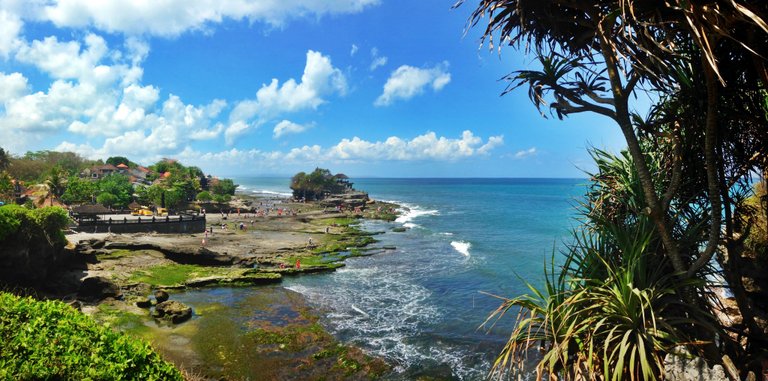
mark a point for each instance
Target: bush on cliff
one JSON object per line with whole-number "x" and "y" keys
{"x": 31, "y": 241}
{"x": 50, "y": 340}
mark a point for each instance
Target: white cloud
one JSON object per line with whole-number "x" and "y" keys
{"x": 12, "y": 86}
{"x": 234, "y": 130}
{"x": 526, "y": 153}
{"x": 10, "y": 27}
{"x": 353, "y": 50}
{"x": 377, "y": 60}
{"x": 286, "y": 127}
{"x": 70, "y": 60}
{"x": 408, "y": 81}
{"x": 423, "y": 147}
{"x": 173, "y": 17}
{"x": 428, "y": 146}
{"x": 320, "y": 79}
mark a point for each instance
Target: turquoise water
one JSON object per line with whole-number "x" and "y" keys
{"x": 420, "y": 305}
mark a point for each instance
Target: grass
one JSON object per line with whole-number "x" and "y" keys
{"x": 50, "y": 340}
{"x": 176, "y": 274}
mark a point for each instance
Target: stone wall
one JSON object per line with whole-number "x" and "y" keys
{"x": 171, "y": 225}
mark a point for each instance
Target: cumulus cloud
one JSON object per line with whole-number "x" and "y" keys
{"x": 70, "y": 60}
{"x": 10, "y": 27}
{"x": 526, "y": 153}
{"x": 428, "y": 146}
{"x": 319, "y": 80}
{"x": 423, "y": 147}
{"x": 353, "y": 50}
{"x": 164, "y": 18}
{"x": 12, "y": 86}
{"x": 408, "y": 81}
{"x": 286, "y": 127}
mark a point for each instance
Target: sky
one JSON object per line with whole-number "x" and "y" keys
{"x": 370, "y": 88}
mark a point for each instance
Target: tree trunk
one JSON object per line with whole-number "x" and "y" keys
{"x": 710, "y": 161}
{"x": 657, "y": 214}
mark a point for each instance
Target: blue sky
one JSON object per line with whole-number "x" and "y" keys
{"x": 364, "y": 87}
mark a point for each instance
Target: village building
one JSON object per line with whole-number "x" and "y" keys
{"x": 99, "y": 172}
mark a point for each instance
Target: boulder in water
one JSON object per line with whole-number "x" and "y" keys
{"x": 97, "y": 288}
{"x": 161, "y": 296}
{"x": 173, "y": 311}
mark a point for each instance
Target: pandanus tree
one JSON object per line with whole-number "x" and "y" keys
{"x": 703, "y": 62}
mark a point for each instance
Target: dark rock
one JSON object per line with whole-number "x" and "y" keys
{"x": 143, "y": 302}
{"x": 399, "y": 229}
{"x": 98, "y": 288}
{"x": 76, "y": 304}
{"x": 191, "y": 255}
{"x": 161, "y": 296}
{"x": 173, "y": 311}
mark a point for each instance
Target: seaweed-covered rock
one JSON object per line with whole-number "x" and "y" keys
{"x": 161, "y": 296}
{"x": 173, "y": 311}
{"x": 143, "y": 302}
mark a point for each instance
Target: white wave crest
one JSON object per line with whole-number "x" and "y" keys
{"x": 411, "y": 212}
{"x": 271, "y": 193}
{"x": 462, "y": 247}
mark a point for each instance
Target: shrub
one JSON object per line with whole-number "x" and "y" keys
{"x": 204, "y": 196}
{"x": 50, "y": 340}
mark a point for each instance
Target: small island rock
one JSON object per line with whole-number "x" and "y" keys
{"x": 161, "y": 296}
{"x": 143, "y": 302}
{"x": 98, "y": 288}
{"x": 173, "y": 311}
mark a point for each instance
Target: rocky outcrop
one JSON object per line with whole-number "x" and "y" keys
{"x": 681, "y": 366}
{"x": 255, "y": 279}
{"x": 173, "y": 311}
{"x": 161, "y": 296}
{"x": 143, "y": 302}
{"x": 346, "y": 200}
{"x": 28, "y": 263}
{"x": 184, "y": 254}
{"x": 98, "y": 288}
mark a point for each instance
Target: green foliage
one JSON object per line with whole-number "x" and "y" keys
{"x": 221, "y": 198}
{"x": 204, "y": 196}
{"x": 613, "y": 307}
{"x": 224, "y": 187}
{"x": 9, "y": 222}
{"x": 5, "y": 159}
{"x": 19, "y": 224}
{"x": 56, "y": 180}
{"x": 50, "y": 340}
{"x": 173, "y": 197}
{"x": 34, "y": 166}
{"x": 117, "y": 160}
{"x": 79, "y": 191}
{"x": 6, "y": 187}
{"x": 167, "y": 165}
{"x": 316, "y": 185}
{"x": 106, "y": 199}
{"x": 118, "y": 186}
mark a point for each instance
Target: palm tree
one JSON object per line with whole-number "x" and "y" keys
{"x": 56, "y": 182}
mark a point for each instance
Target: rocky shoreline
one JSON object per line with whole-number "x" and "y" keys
{"x": 120, "y": 277}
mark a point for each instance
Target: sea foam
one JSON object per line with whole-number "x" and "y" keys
{"x": 412, "y": 212}
{"x": 462, "y": 247}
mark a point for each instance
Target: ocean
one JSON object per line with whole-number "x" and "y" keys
{"x": 420, "y": 306}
